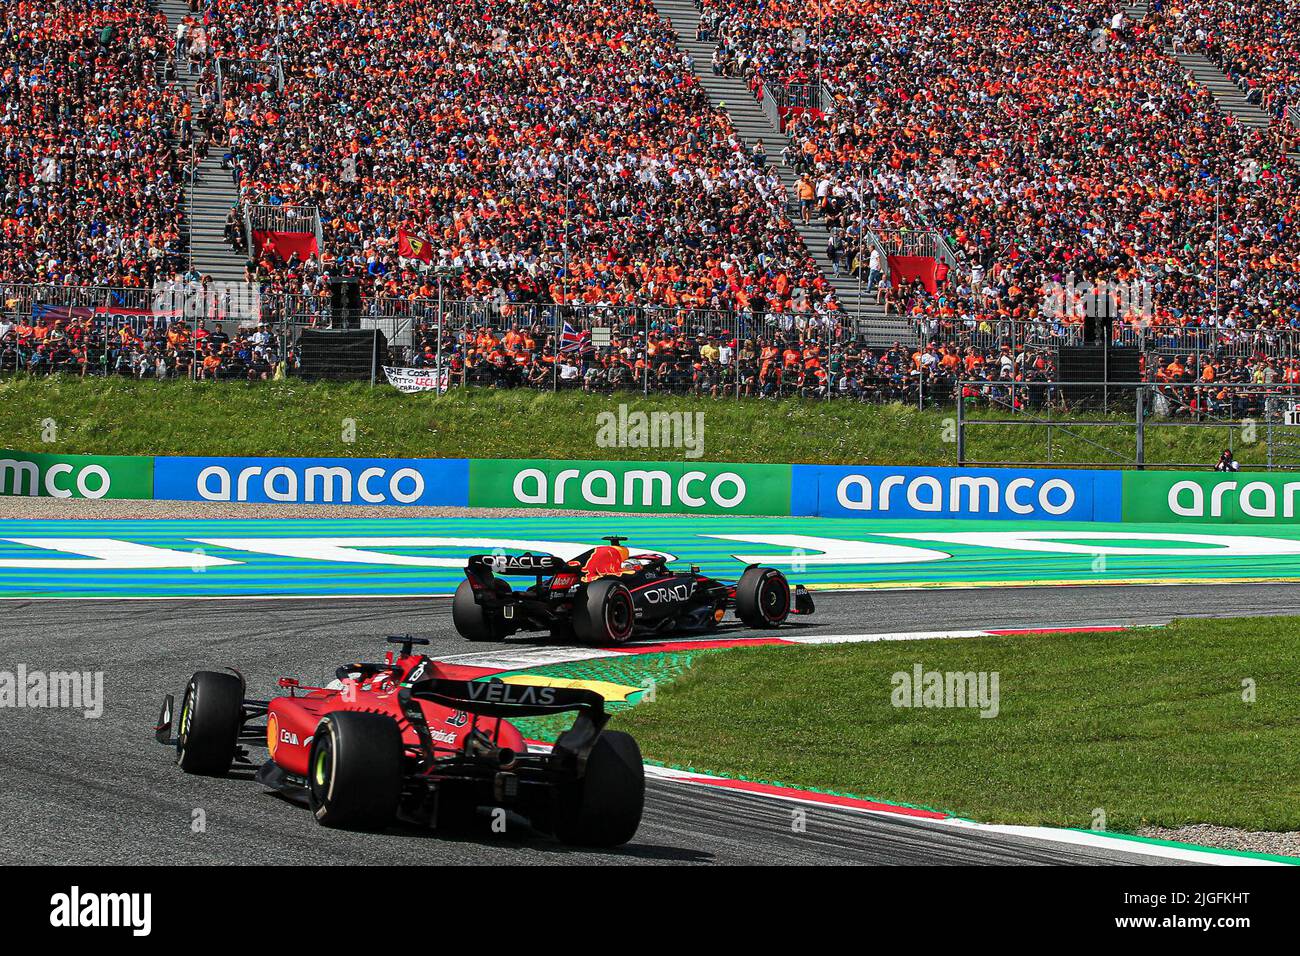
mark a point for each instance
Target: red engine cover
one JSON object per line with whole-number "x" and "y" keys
{"x": 291, "y": 722}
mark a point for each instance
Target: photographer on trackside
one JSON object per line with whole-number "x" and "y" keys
{"x": 1227, "y": 462}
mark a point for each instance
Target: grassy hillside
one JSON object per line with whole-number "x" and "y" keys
{"x": 310, "y": 419}
{"x": 1144, "y": 727}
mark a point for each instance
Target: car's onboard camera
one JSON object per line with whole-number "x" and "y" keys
{"x": 606, "y": 595}
{"x": 404, "y": 741}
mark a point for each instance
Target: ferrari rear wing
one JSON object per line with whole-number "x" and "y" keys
{"x": 530, "y": 565}
{"x": 498, "y": 699}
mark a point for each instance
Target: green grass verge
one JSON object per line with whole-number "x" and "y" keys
{"x": 126, "y": 417}
{"x": 1150, "y": 726}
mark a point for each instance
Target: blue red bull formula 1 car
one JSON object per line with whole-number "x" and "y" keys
{"x": 606, "y": 595}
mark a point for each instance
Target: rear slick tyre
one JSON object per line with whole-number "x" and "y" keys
{"x": 473, "y": 621}
{"x": 603, "y": 807}
{"x": 605, "y": 614}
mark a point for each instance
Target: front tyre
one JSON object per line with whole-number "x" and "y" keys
{"x": 211, "y": 715}
{"x": 603, "y": 807}
{"x": 605, "y": 614}
{"x": 354, "y": 771}
{"x": 763, "y": 598}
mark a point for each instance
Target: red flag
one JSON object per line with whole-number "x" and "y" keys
{"x": 410, "y": 246}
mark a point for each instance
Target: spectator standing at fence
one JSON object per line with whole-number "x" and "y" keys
{"x": 806, "y": 193}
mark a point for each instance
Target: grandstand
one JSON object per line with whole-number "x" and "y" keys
{"x": 834, "y": 198}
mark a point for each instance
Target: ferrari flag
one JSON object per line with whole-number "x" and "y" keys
{"x": 411, "y": 246}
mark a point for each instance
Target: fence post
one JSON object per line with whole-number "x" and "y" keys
{"x": 1268, "y": 431}
{"x": 961, "y": 427}
{"x": 735, "y": 354}
{"x": 1141, "y": 427}
{"x": 1105, "y": 375}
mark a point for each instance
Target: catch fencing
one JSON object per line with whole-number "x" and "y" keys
{"x": 1116, "y": 432}
{"x": 653, "y": 341}
{"x": 598, "y": 348}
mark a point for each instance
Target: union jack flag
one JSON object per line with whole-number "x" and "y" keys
{"x": 571, "y": 339}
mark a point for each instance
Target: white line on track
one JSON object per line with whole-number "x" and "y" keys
{"x": 1113, "y": 843}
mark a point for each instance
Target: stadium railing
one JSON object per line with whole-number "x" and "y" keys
{"x": 1114, "y": 430}
{"x": 260, "y": 216}
{"x": 1164, "y": 341}
{"x": 232, "y": 74}
{"x": 778, "y": 98}
{"x": 23, "y": 300}
{"x": 177, "y": 299}
{"x": 1291, "y": 115}
{"x": 412, "y": 325}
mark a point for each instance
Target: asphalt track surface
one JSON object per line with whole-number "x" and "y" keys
{"x": 78, "y": 791}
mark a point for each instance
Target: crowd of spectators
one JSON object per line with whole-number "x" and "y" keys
{"x": 562, "y": 151}
{"x": 91, "y": 183}
{"x": 82, "y": 341}
{"x": 1255, "y": 42}
{"x": 553, "y": 150}
{"x": 718, "y": 360}
{"x": 1048, "y": 144}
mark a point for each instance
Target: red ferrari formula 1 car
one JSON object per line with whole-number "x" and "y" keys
{"x": 606, "y": 595}
{"x": 400, "y": 740}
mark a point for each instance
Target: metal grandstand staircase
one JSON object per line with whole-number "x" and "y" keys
{"x": 872, "y": 321}
{"x": 213, "y": 192}
{"x": 1229, "y": 97}
{"x": 1226, "y": 93}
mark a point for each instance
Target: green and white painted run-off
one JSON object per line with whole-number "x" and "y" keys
{"x": 424, "y": 556}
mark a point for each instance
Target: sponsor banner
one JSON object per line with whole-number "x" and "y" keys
{"x": 411, "y": 380}
{"x": 75, "y": 476}
{"x": 999, "y": 493}
{"x": 640, "y": 486}
{"x": 1216, "y": 497}
{"x": 326, "y": 481}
